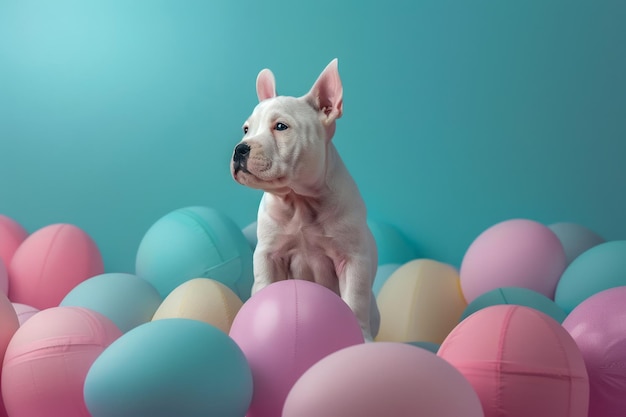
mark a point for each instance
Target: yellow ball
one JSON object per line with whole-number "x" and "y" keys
{"x": 421, "y": 301}
{"x": 201, "y": 299}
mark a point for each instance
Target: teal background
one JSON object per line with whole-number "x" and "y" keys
{"x": 457, "y": 114}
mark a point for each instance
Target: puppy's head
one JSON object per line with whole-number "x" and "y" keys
{"x": 285, "y": 140}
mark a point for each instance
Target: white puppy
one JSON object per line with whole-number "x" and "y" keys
{"x": 312, "y": 222}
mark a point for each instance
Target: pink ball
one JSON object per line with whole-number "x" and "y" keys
{"x": 4, "y": 278}
{"x": 24, "y": 312}
{"x": 598, "y": 325}
{"x": 514, "y": 253}
{"x": 50, "y": 263}
{"x": 8, "y": 326}
{"x": 382, "y": 379}
{"x": 12, "y": 234}
{"x": 283, "y": 330}
{"x": 48, "y": 359}
{"x": 521, "y": 362}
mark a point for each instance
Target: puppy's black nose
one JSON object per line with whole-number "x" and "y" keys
{"x": 240, "y": 157}
{"x": 241, "y": 152}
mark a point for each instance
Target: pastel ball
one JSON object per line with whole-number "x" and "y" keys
{"x": 250, "y": 233}
{"x": 50, "y": 262}
{"x": 521, "y": 362}
{"x": 516, "y": 296}
{"x": 575, "y": 239}
{"x": 513, "y": 253}
{"x": 597, "y": 269}
{"x": 24, "y": 312}
{"x": 201, "y": 299}
{"x": 9, "y": 324}
{"x": 283, "y": 330}
{"x": 48, "y": 358}
{"x": 598, "y": 325}
{"x": 382, "y": 379}
{"x": 125, "y": 299}
{"x": 195, "y": 242}
{"x": 420, "y": 302}
{"x": 12, "y": 234}
{"x": 393, "y": 246}
{"x": 383, "y": 272}
{"x": 4, "y": 278}
{"x": 165, "y": 368}
{"x": 431, "y": 347}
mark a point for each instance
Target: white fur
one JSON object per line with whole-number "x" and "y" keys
{"x": 312, "y": 221}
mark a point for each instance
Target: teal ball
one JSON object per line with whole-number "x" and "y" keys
{"x": 393, "y": 246}
{"x": 195, "y": 242}
{"x": 250, "y": 233}
{"x": 516, "y": 296}
{"x": 597, "y": 269}
{"x": 172, "y": 367}
{"x": 429, "y": 346}
{"x": 125, "y": 299}
{"x": 575, "y": 239}
{"x": 383, "y": 272}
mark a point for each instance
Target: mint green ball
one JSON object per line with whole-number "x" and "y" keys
{"x": 195, "y": 242}
{"x": 516, "y": 296}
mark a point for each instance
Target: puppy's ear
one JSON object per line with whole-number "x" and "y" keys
{"x": 326, "y": 95}
{"x": 265, "y": 85}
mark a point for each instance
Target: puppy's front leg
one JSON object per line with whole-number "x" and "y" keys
{"x": 266, "y": 269}
{"x": 355, "y": 286}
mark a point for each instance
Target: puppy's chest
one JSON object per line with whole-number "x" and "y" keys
{"x": 310, "y": 253}
{"x": 308, "y": 240}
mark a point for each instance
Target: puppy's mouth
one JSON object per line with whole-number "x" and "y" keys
{"x": 240, "y": 166}
{"x": 255, "y": 170}
{"x": 251, "y": 168}
{"x": 244, "y": 177}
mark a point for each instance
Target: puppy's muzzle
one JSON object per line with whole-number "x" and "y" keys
{"x": 240, "y": 157}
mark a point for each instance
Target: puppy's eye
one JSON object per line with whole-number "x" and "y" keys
{"x": 281, "y": 126}
{"x": 245, "y": 130}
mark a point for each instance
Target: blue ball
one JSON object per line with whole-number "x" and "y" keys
{"x": 429, "y": 346}
{"x": 172, "y": 367}
{"x": 516, "y": 296}
{"x": 597, "y": 269}
{"x": 575, "y": 239}
{"x": 382, "y": 274}
{"x": 195, "y": 242}
{"x": 250, "y": 233}
{"x": 393, "y": 246}
{"x": 125, "y": 299}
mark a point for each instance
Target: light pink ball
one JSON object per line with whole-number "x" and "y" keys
{"x": 283, "y": 330}
{"x": 48, "y": 358}
{"x": 521, "y": 363}
{"x": 12, "y": 234}
{"x": 598, "y": 325}
{"x": 8, "y": 326}
{"x": 50, "y": 263}
{"x": 514, "y": 253}
{"x": 4, "y": 278}
{"x": 24, "y": 312}
{"x": 382, "y": 379}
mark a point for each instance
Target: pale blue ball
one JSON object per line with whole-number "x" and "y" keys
{"x": 393, "y": 246}
{"x": 383, "y": 272}
{"x": 171, "y": 367}
{"x": 429, "y": 346}
{"x": 125, "y": 299}
{"x": 575, "y": 239}
{"x": 250, "y": 233}
{"x": 517, "y": 296}
{"x": 597, "y": 269}
{"x": 195, "y": 242}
